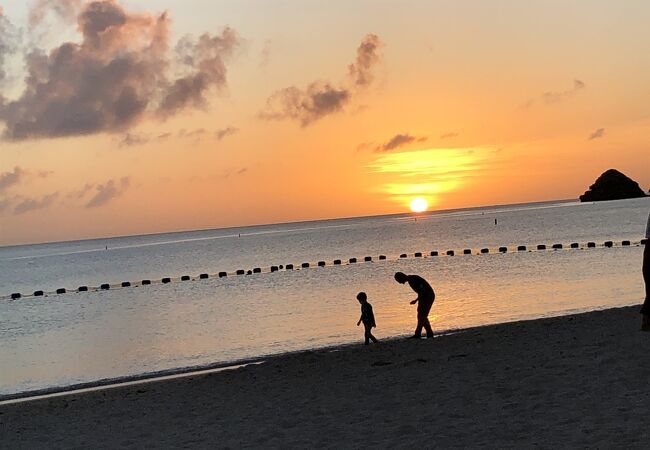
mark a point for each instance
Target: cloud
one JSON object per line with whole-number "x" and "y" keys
{"x": 306, "y": 106}
{"x": 8, "y": 179}
{"x": 265, "y": 54}
{"x": 108, "y": 191}
{"x": 551, "y": 97}
{"x": 320, "y": 98}
{"x": 205, "y": 61}
{"x": 229, "y": 131}
{"x": 448, "y": 135}
{"x": 367, "y": 57}
{"x": 32, "y": 204}
{"x": 63, "y": 9}
{"x": 399, "y": 140}
{"x": 9, "y": 39}
{"x": 114, "y": 76}
{"x": 599, "y": 133}
{"x": 132, "y": 139}
{"x": 79, "y": 194}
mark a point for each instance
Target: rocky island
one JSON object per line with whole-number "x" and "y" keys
{"x": 612, "y": 185}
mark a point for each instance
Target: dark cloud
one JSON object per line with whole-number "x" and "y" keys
{"x": 399, "y": 140}
{"x": 164, "y": 136}
{"x": 108, "y": 191}
{"x": 8, "y": 179}
{"x": 205, "y": 61}
{"x": 599, "y": 133}
{"x": 225, "y": 132}
{"x": 551, "y": 97}
{"x": 306, "y": 106}
{"x": 132, "y": 139}
{"x": 320, "y": 98}
{"x": 367, "y": 57}
{"x": 448, "y": 135}
{"x": 192, "y": 133}
{"x": 32, "y": 204}
{"x": 116, "y": 74}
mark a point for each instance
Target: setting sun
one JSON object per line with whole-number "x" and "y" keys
{"x": 419, "y": 204}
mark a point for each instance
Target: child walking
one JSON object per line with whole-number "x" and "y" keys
{"x": 367, "y": 317}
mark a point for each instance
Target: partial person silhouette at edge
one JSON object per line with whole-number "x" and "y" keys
{"x": 645, "y": 310}
{"x": 425, "y": 299}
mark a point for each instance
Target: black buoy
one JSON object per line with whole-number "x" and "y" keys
{"x": 521, "y": 248}
{"x": 541, "y": 247}
{"x": 557, "y": 246}
{"x": 367, "y": 258}
{"x": 450, "y": 253}
{"x": 625, "y": 243}
{"x": 289, "y": 267}
{"x": 274, "y": 268}
{"x": 337, "y": 262}
{"x": 644, "y": 241}
{"x": 38, "y": 293}
{"x": 403, "y": 255}
{"x": 281, "y": 266}
{"x": 575, "y": 245}
{"x": 249, "y": 272}
{"x": 503, "y": 249}
{"x": 60, "y": 291}
{"x": 223, "y": 274}
{"x": 434, "y": 253}
{"x": 146, "y": 282}
{"x": 382, "y": 257}
{"x": 352, "y": 260}
{"x": 126, "y": 283}
{"x": 82, "y": 289}
{"x": 418, "y": 254}
{"x": 240, "y": 272}
{"x": 321, "y": 263}
{"x": 107, "y": 286}
{"x": 185, "y": 278}
{"x": 257, "y": 270}
{"x": 203, "y": 276}
{"x": 15, "y": 296}
{"x": 608, "y": 244}
{"x": 305, "y": 265}
{"x": 591, "y": 244}
{"x": 467, "y": 251}
{"x": 485, "y": 250}
{"x": 166, "y": 280}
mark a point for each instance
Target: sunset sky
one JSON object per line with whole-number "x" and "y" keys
{"x": 142, "y": 116}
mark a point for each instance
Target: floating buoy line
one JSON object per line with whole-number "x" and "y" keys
{"x": 336, "y": 262}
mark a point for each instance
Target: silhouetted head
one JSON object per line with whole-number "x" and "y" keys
{"x": 362, "y": 297}
{"x": 400, "y": 277}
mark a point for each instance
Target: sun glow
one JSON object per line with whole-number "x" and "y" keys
{"x": 419, "y": 204}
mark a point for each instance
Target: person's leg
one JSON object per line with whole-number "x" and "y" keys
{"x": 367, "y": 334}
{"x": 427, "y": 327}
{"x": 374, "y": 339}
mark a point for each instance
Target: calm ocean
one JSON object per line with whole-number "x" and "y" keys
{"x": 80, "y": 337}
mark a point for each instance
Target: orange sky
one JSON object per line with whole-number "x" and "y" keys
{"x": 305, "y": 110}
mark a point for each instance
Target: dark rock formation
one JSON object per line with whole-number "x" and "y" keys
{"x": 612, "y": 185}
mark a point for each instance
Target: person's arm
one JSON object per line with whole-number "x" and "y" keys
{"x": 359, "y": 322}
{"x": 413, "y": 302}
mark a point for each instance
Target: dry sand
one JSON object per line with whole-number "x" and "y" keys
{"x": 574, "y": 381}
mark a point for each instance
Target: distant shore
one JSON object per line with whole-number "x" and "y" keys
{"x": 568, "y": 381}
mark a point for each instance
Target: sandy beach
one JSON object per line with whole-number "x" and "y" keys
{"x": 571, "y": 381}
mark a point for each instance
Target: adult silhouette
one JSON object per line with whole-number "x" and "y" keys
{"x": 425, "y": 299}
{"x": 645, "y": 310}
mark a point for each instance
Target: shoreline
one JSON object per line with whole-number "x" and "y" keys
{"x": 189, "y": 371}
{"x": 566, "y": 381}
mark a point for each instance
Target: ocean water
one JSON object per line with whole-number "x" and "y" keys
{"x": 82, "y": 337}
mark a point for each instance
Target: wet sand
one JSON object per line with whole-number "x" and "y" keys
{"x": 571, "y": 381}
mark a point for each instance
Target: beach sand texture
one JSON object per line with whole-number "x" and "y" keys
{"x": 572, "y": 381}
